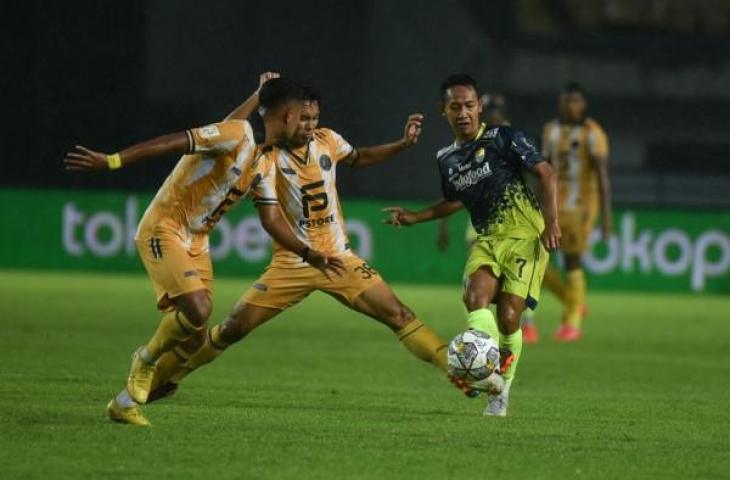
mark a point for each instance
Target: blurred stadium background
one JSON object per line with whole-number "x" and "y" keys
{"x": 656, "y": 72}
{"x": 108, "y": 74}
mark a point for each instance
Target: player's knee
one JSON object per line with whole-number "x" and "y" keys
{"x": 509, "y": 325}
{"x": 198, "y": 311}
{"x": 572, "y": 262}
{"x": 508, "y": 317}
{"x": 233, "y": 330}
{"x": 474, "y": 299}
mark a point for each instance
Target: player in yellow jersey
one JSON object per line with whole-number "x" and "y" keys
{"x": 221, "y": 163}
{"x": 577, "y": 147}
{"x": 307, "y": 193}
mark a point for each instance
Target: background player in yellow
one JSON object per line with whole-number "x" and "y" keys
{"x": 221, "y": 163}
{"x": 306, "y": 188}
{"x": 577, "y": 147}
{"x": 482, "y": 171}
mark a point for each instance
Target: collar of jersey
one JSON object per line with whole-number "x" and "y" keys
{"x": 301, "y": 160}
{"x": 482, "y": 127}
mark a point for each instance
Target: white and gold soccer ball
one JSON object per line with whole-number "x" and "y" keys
{"x": 474, "y": 357}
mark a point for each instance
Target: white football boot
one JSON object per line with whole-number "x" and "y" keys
{"x": 493, "y": 384}
{"x": 497, "y": 403}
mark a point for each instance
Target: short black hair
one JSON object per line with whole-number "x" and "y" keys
{"x": 455, "y": 79}
{"x": 279, "y": 91}
{"x": 574, "y": 87}
{"x": 310, "y": 93}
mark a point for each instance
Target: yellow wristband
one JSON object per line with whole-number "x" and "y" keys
{"x": 114, "y": 161}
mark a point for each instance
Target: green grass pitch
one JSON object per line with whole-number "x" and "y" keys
{"x": 321, "y": 392}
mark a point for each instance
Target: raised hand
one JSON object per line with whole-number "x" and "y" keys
{"x": 265, "y": 77}
{"x": 412, "y": 130}
{"x": 85, "y": 160}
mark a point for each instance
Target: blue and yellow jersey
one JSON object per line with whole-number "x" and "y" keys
{"x": 486, "y": 175}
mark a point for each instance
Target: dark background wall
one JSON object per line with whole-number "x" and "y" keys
{"x": 107, "y": 74}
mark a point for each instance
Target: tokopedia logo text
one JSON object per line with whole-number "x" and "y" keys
{"x": 104, "y": 233}
{"x": 671, "y": 252}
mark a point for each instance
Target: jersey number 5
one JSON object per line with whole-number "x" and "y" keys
{"x": 313, "y": 202}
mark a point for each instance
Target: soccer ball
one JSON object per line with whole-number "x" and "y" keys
{"x": 473, "y": 356}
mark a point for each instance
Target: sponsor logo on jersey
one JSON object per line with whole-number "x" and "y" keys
{"x": 317, "y": 222}
{"x": 209, "y": 131}
{"x": 479, "y": 155}
{"x": 472, "y": 177}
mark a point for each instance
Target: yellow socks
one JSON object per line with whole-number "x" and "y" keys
{"x": 575, "y": 297}
{"x": 513, "y": 343}
{"x": 173, "y": 329}
{"x": 212, "y": 348}
{"x": 483, "y": 320}
{"x": 168, "y": 365}
{"x": 554, "y": 282}
{"x": 422, "y": 342}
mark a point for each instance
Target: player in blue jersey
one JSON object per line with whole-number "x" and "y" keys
{"x": 484, "y": 172}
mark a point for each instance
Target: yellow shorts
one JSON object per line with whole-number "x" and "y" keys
{"x": 518, "y": 263}
{"x": 175, "y": 265}
{"x": 576, "y": 227}
{"x": 282, "y": 286}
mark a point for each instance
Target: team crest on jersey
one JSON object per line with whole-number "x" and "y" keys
{"x": 479, "y": 155}
{"x": 325, "y": 162}
{"x": 209, "y": 131}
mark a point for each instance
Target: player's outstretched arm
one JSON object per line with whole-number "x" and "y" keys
{"x": 84, "y": 159}
{"x": 604, "y": 189}
{"x": 244, "y": 110}
{"x": 274, "y": 224}
{"x": 367, "y": 156}
{"x": 400, "y": 217}
{"x": 549, "y": 204}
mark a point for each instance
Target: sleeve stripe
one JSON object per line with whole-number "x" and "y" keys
{"x": 191, "y": 141}
{"x": 353, "y": 161}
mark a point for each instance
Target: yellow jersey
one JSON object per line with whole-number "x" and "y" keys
{"x": 223, "y": 165}
{"x": 305, "y": 185}
{"x": 571, "y": 150}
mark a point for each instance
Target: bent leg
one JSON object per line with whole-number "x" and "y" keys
{"x": 187, "y": 320}
{"x": 242, "y": 321}
{"x": 509, "y": 311}
{"x": 480, "y": 289}
{"x": 380, "y": 302}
